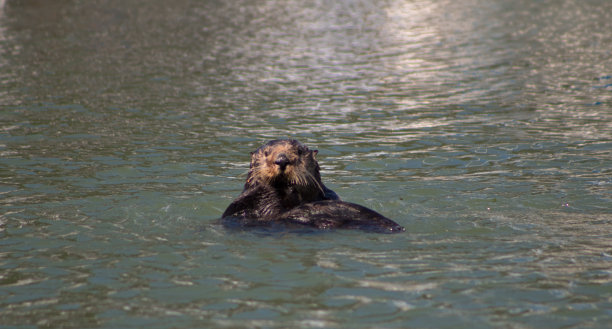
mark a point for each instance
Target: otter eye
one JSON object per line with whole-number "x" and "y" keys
{"x": 300, "y": 151}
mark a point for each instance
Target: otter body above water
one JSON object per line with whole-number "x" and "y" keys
{"x": 284, "y": 186}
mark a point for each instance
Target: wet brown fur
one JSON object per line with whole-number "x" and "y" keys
{"x": 284, "y": 186}
{"x": 283, "y": 174}
{"x": 301, "y": 171}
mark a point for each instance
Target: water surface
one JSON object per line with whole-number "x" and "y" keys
{"x": 483, "y": 127}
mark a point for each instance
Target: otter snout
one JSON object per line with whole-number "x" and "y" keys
{"x": 282, "y": 161}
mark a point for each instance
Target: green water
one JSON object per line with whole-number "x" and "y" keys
{"x": 483, "y": 127}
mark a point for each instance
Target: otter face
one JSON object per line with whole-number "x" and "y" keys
{"x": 285, "y": 163}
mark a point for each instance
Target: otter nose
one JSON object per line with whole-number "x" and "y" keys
{"x": 282, "y": 161}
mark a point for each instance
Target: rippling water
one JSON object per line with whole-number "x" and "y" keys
{"x": 483, "y": 127}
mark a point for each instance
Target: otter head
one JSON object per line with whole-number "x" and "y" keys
{"x": 285, "y": 163}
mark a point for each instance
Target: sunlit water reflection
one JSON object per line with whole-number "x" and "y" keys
{"x": 483, "y": 127}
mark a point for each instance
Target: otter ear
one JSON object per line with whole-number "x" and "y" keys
{"x": 252, "y": 159}
{"x": 314, "y": 153}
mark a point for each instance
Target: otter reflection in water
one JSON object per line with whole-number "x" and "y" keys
{"x": 284, "y": 186}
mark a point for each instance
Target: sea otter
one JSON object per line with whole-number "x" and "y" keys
{"x": 283, "y": 174}
{"x": 284, "y": 186}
